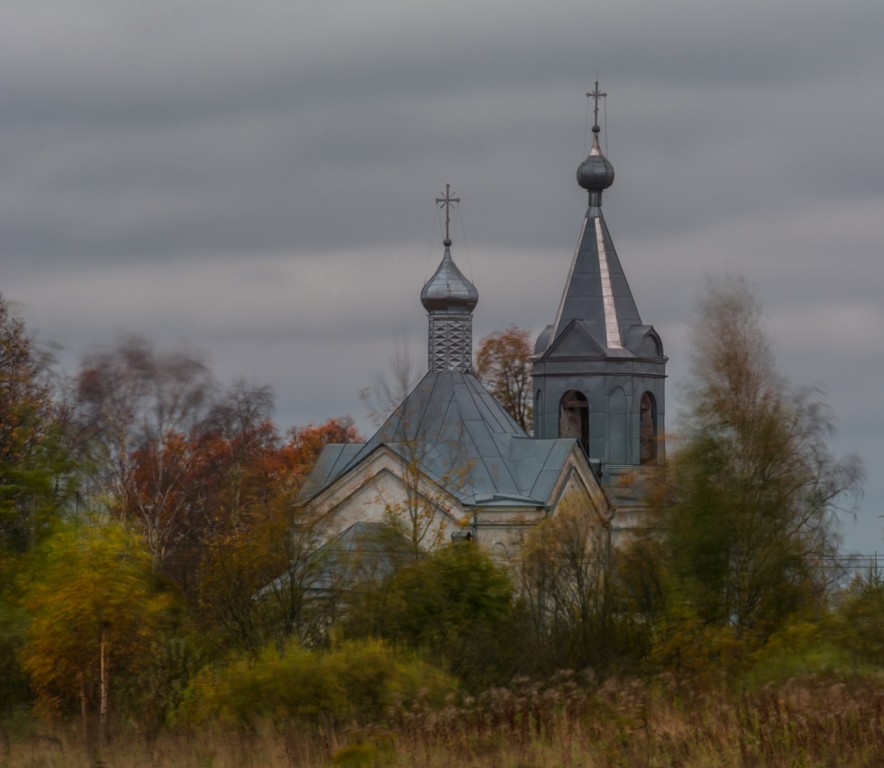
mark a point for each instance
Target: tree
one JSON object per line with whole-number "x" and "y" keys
{"x": 251, "y": 581}
{"x": 389, "y": 389}
{"x": 267, "y": 548}
{"x": 234, "y": 468}
{"x": 141, "y": 412}
{"x": 451, "y": 603}
{"x": 757, "y": 490}
{"x": 421, "y": 511}
{"x": 35, "y": 465}
{"x": 859, "y": 620}
{"x": 564, "y": 587}
{"x": 306, "y": 443}
{"x": 503, "y": 365}
{"x": 95, "y": 608}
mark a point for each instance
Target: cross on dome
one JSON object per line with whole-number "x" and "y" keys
{"x": 447, "y": 201}
{"x": 595, "y": 95}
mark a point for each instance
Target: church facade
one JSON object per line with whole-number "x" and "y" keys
{"x": 451, "y": 462}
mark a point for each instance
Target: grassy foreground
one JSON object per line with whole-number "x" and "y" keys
{"x": 809, "y": 722}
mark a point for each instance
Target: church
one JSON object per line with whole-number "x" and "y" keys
{"x": 450, "y": 462}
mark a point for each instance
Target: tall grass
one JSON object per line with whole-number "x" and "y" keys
{"x": 812, "y": 722}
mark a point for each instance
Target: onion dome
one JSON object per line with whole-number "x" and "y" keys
{"x": 596, "y": 172}
{"x": 448, "y": 291}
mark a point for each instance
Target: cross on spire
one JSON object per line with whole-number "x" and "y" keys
{"x": 447, "y": 201}
{"x": 595, "y": 96}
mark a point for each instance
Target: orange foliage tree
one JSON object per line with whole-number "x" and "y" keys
{"x": 503, "y": 365}
{"x": 257, "y": 566}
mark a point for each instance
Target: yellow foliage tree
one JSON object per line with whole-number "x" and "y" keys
{"x": 95, "y": 608}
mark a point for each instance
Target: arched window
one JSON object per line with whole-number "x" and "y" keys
{"x": 617, "y": 427}
{"x": 574, "y": 418}
{"x": 648, "y": 429}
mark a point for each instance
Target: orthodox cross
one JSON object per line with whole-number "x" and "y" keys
{"x": 595, "y": 96}
{"x": 447, "y": 201}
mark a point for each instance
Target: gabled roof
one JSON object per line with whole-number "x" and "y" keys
{"x": 452, "y": 430}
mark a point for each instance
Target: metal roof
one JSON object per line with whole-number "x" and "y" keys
{"x": 461, "y": 437}
{"x": 596, "y": 293}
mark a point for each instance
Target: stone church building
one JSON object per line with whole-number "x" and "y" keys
{"x": 450, "y": 461}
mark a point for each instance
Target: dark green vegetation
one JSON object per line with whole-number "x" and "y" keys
{"x": 158, "y": 588}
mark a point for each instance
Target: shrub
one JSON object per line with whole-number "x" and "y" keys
{"x": 354, "y": 681}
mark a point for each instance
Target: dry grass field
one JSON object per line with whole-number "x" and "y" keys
{"x": 812, "y": 722}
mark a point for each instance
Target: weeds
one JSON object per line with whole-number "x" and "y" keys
{"x": 813, "y": 722}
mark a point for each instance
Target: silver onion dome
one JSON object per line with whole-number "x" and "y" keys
{"x": 448, "y": 291}
{"x": 596, "y": 172}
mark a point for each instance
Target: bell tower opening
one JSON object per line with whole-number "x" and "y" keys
{"x": 574, "y": 417}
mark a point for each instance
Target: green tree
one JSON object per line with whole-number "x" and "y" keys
{"x": 859, "y": 619}
{"x": 95, "y": 611}
{"x": 757, "y": 490}
{"x": 455, "y": 604}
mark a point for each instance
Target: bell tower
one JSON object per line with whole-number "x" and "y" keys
{"x": 598, "y": 371}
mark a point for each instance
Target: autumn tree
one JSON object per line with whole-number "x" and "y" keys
{"x": 141, "y": 412}
{"x": 229, "y": 476}
{"x": 503, "y": 365}
{"x": 304, "y": 445}
{"x": 757, "y": 490}
{"x": 95, "y": 607}
{"x": 36, "y": 479}
{"x": 36, "y": 470}
{"x": 256, "y": 569}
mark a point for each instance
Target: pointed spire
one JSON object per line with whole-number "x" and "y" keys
{"x": 596, "y": 292}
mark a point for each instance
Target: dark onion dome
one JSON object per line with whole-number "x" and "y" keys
{"x": 448, "y": 291}
{"x": 596, "y": 172}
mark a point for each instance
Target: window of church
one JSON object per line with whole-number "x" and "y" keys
{"x": 574, "y": 418}
{"x": 648, "y": 429}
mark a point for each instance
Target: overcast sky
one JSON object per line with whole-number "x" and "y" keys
{"x": 257, "y": 181}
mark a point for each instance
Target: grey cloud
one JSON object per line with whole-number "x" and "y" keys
{"x": 259, "y": 181}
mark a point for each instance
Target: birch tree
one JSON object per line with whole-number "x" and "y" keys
{"x": 141, "y": 412}
{"x": 757, "y": 489}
